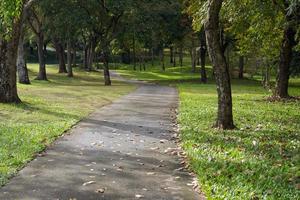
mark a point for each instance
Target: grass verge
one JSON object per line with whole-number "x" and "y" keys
{"x": 49, "y": 109}
{"x": 259, "y": 160}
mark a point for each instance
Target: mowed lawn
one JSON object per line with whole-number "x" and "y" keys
{"x": 49, "y": 109}
{"x": 258, "y": 160}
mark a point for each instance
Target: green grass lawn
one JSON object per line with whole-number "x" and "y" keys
{"x": 48, "y": 109}
{"x": 259, "y": 160}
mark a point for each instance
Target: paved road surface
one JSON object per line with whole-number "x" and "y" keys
{"x": 117, "y": 153}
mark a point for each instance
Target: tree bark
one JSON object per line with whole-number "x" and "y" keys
{"x": 193, "y": 59}
{"x": 69, "y": 58}
{"x": 286, "y": 55}
{"x": 181, "y": 56}
{"x": 203, "y": 57}
{"x": 224, "y": 116}
{"x": 241, "y": 67}
{"x": 8, "y": 59}
{"x": 134, "y": 52}
{"x": 21, "y": 63}
{"x": 60, "y": 53}
{"x": 42, "y": 66}
{"x": 106, "y": 72}
{"x": 162, "y": 59}
{"x": 171, "y": 54}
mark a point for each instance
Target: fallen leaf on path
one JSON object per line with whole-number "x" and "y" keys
{"x": 150, "y": 173}
{"x": 139, "y": 196}
{"x": 88, "y": 183}
{"x": 101, "y": 190}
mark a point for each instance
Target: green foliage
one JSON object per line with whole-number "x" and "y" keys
{"x": 9, "y": 11}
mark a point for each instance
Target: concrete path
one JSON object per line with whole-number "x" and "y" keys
{"x": 122, "y": 151}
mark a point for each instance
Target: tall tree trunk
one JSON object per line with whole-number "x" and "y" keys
{"x": 42, "y": 67}
{"x": 74, "y": 56}
{"x": 193, "y": 59}
{"x": 162, "y": 59}
{"x": 225, "y": 116}
{"x": 134, "y": 52}
{"x": 60, "y": 53}
{"x": 203, "y": 57}
{"x": 181, "y": 56}
{"x": 91, "y": 56}
{"x": 203, "y": 64}
{"x": 8, "y": 69}
{"x": 286, "y": 55}
{"x": 69, "y": 58}
{"x": 152, "y": 56}
{"x": 106, "y": 72}
{"x": 85, "y": 58}
{"x": 241, "y": 67}
{"x": 171, "y": 54}
{"x": 21, "y": 63}
{"x": 174, "y": 57}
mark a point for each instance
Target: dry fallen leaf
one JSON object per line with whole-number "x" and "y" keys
{"x": 101, "y": 190}
{"x": 139, "y": 196}
{"x": 150, "y": 173}
{"x": 88, "y": 183}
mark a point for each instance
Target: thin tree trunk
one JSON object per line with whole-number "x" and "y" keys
{"x": 21, "y": 63}
{"x": 106, "y": 72}
{"x": 152, "y": 56}
{"x": 181, "y": 56}
{"x": 286, "y": 55}
{"x": 74, "y": 57}
{"x": 60, "y": 53}
{"x": 241, "y": 67}
{"x": 171, "y": 54}
{"x": 69, "y": 58}
{"x": 203, "y": 64}
{"x": 134, "y": 52}
{"x": 162, "y": 59}
{"x": 174, "y": 57}
{"x": 203, "y": 56}
{"x": 225, "y": 116}
{"x": 42, "y": 67}
{"x": 91, "y": 56}
{"x": 85, "y": 58}
{"x": 193, "y": 59}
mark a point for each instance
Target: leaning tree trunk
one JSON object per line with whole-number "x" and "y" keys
{"x": 42, "y": 66}
{"x": 225, "y": 116}
{"x": 286, "y": 55}
{"x": 8, "y": 59}
{"x": 60, "y": 53}
{"x": 241, "y": 67}
{"x": 69, "y": 58}
{"x": 21, "y": 63}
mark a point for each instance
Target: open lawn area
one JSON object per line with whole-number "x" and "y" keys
{"x": 257, "y": 160}
{"x": 49, "y": 109}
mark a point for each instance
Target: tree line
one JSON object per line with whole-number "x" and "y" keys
{"x": 140, "y": 31}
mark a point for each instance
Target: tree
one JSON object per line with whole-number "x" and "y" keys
{"x": 10, "y": 27}
{"x": 212, "y": 30}
{"x": 36, "y": 22}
